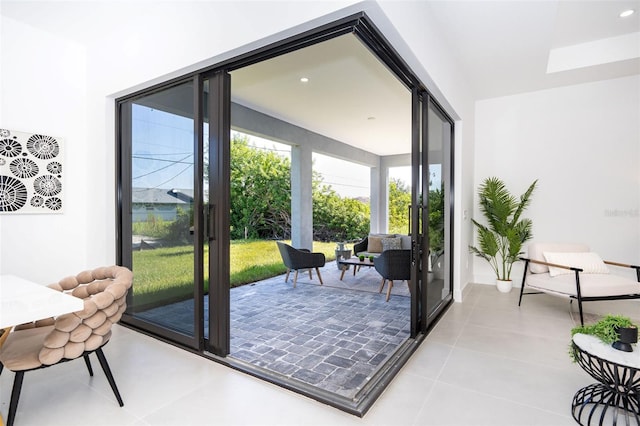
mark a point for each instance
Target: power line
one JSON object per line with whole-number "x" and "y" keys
{"x": 175, "y": 176}
{"x": 163, "y": 160}
{"x": 166, "y": 167}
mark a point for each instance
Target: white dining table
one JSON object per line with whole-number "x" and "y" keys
{"x": 23, "y": 301}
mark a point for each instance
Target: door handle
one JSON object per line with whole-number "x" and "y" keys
{"x": 212, "y": 222}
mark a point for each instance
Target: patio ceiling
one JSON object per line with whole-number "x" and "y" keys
{"x": 350, "y": 95}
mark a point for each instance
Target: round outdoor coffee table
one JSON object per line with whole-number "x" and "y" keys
{"x": 615, "y": 399}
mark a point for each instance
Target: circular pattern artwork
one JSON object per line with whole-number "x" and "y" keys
{"x": 54, "y": 168}
{"x": 13, "y": 194}
{"x": 53, "y": 203}
{"x": 37, "y": 201}
{"x": 43, "y": 147}
{"x": 31, "y": 178}
{"x": 47, "y": 185}
{"x": 10, "y": 148}
{"x": 23, "y": 168}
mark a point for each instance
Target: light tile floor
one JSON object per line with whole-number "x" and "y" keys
{"x": 487, "y": 362}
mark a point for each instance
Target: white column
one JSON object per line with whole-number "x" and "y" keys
{"x": 301, "y": 199}
{"x": 379, "y": 199}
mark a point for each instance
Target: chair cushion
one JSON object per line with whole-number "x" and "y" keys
{"x": 589, "y": 262}
{"x": 405, "y": 242}
{"x": 536, "y": 252}
{"x": 374, "y": 244}
{"x": 591, "y": 285}
{"x": 22, "y": 348}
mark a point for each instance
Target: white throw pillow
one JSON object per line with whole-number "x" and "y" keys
{"x": 589, "y": 262}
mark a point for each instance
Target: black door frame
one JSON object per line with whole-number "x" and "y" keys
{"x": 123, "y": 199}
{"x": 218, "y": 223}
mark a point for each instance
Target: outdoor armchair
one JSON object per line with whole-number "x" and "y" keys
{"x": 573, "y": 271}
{"x": 297, "y": 259}
{"x": 393, "y": 265}
{"x": 70, "y": 336}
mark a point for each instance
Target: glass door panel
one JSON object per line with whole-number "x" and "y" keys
{"x": 438, "y": 214}
{"x": 162, "y": 203}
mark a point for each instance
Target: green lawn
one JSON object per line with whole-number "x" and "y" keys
{"x": 166, "y": 274}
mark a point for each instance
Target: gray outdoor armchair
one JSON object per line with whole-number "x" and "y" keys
{"x": 393, "y": 265}
{"x": 296, "y": 259}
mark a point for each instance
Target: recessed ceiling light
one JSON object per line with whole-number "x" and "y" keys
{"x": 626, "y": 13}
{"x": 304, "y": 80}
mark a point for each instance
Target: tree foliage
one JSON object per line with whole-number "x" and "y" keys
{"x": 260, "y": 192}
{"x": 261, "y": 200}
{"x": 336, "y": 218}
{"x": 399, "y": 202}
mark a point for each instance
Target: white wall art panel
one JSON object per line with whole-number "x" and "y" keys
{"x": 30, "y": 173}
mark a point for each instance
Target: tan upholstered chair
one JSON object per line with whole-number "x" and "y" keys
{"x": 51, "y": 341}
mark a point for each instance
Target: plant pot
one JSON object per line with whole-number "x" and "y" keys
{"x": 626, "y": 336}
{"x": 504, "y": 286}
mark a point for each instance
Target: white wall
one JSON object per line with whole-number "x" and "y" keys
{"x": 116, "y": 47}
{"x": 583, "y": 144}
{"x": 43, "y": 91}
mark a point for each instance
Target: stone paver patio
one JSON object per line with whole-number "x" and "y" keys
{"x": 334, "y": 336}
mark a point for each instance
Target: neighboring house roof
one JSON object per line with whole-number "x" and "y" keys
{"x": 161, "y": 196}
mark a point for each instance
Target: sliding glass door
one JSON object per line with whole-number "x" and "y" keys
{"x": 161, "y": 161}
{"x": 437, "y": 186}
{"x": 431, "y": 213}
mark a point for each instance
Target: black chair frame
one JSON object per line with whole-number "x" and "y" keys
{"x": 578, "y": 296}
{"x": 19, "y": 377}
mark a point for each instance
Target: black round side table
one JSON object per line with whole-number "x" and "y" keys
{"x": 615, "y": 399}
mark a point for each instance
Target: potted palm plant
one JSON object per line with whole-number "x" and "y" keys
{"x": 500, "y": 240}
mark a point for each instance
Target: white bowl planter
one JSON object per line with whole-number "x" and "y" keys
{"x": 504, "y": 286}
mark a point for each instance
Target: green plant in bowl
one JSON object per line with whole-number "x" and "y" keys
{"x": 606, "y": 329}
{"x": 371, "y": 259}
{"x": 361, "y": 257}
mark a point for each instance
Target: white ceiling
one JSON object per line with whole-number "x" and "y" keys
{"x": 503, "y": 46}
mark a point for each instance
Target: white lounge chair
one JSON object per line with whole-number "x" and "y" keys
{"x": 574, "y": 272}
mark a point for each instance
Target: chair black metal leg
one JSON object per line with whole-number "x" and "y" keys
{"x": 15, "y": 396}
{"x": 1, "y": 367}
{"x": 88, "y": 362}
{"x": 107, "y": 372}
{"x": 524, "y": 278}
{"x": 580, "y": 309}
